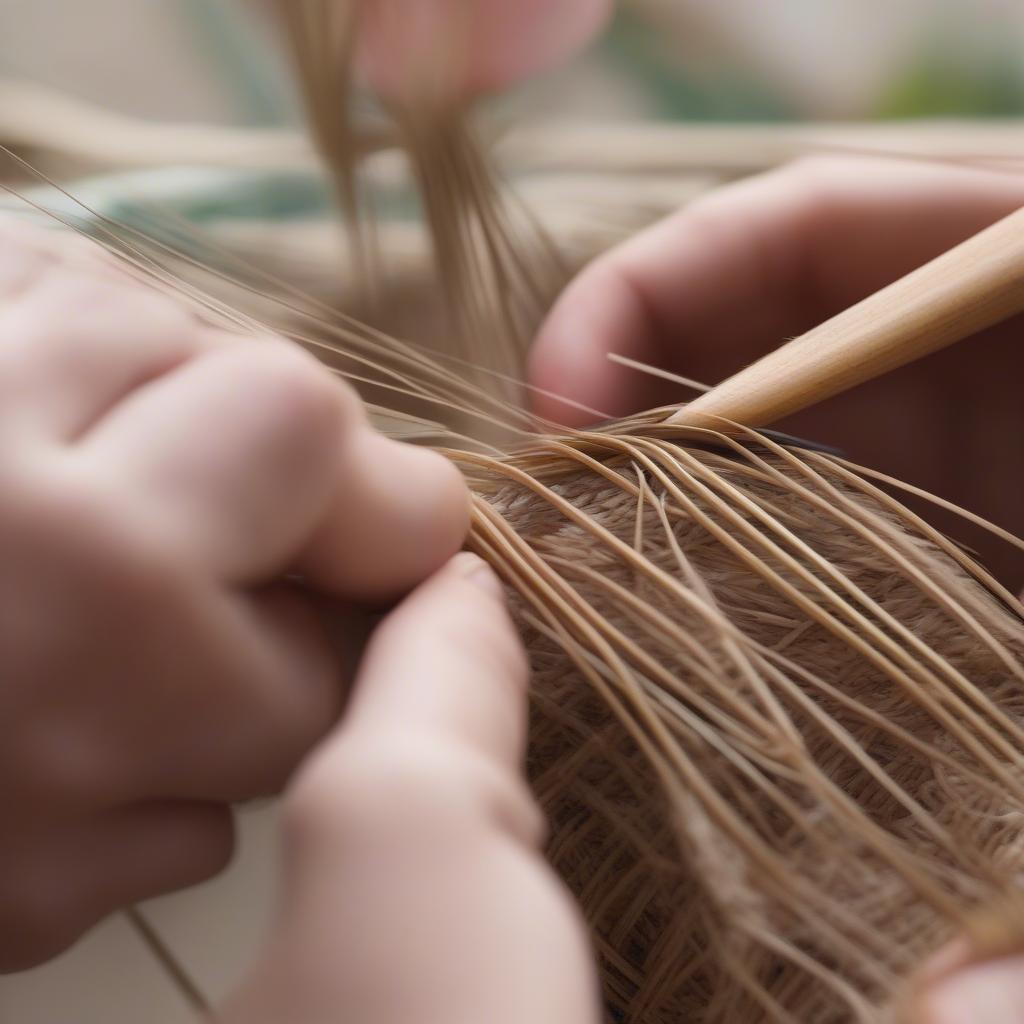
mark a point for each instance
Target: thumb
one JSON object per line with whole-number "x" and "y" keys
{"x": 437, "y": 721}
{"x": 413, "y": 889}
{"x": 986, "y": 993}
{"x": 447, "y": 666}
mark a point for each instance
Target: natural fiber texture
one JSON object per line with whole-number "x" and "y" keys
{"x": 777, "y": 722}
{"x": 778, "y": 719}
{"x": 480, "y": 267}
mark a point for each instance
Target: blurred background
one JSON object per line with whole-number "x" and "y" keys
{"x": 676, "y": 59}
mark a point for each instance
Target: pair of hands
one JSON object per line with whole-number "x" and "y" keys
{"x": 161, "y": 481}
{"x": 164, "y": 485}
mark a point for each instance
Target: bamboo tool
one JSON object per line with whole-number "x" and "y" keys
{"x": 973, "y": 286}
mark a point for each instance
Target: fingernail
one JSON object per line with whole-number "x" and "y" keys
{"x": 478, "y": 572}
{"x": 992, "y": 993}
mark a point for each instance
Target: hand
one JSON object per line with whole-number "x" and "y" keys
{"x": 414, "y": 888}
{"x": 453, "y": 51}
{"x": 954, "y": 992}
{"x": 733, "y": 275}
{"x": 456, "y": 50}
{"x": 159, "y": 479}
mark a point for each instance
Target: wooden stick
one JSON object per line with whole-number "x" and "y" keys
{"x": 963, "y": 291}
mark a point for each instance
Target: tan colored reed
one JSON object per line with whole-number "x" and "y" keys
{"x": 778, "y": 720}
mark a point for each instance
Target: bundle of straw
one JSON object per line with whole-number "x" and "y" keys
{"x": 778, "y": 721}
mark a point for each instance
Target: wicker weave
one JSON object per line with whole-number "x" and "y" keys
{"x": 777, "y": 719}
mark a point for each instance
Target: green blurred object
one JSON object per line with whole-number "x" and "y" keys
{"x": 951, "y": 79}
{"x": 729, "y": 94}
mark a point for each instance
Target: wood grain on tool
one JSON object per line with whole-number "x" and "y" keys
{"x": 973, "y": 286}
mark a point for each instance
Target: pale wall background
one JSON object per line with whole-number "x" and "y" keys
{"x": 199, "y": 59}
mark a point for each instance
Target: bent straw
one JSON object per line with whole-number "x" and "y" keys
{"x": 973, "y": 286}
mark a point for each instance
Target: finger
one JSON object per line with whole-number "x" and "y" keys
{"x": 237, "y": 692}
{"x": 991, "y": 992}
{"x": 231, "y": 459}
{"x": 254, "y": 460}
{"x": 70, "y": 882}
{"x": 737, "y": 272}
{"x": 75, "y": 342}
{"x": 415, "y": 813}
{"x": 268, "y": 687}
{"x": 22, "y": 257}
{"x": 398, "y": 513}
{"x": 157, "y": 848}
{"x": 27, "y": 249}
{"x": 438, "y": 715}
{"x": 448, "y": 666}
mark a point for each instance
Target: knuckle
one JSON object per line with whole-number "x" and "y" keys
{"x": 98, "y": 300}
{"x": 401, "y": 790}
{"x": 86, "y": 294}
{"x": 512, "y": 651}
{"x": 820, "y": 184}
{"x": 358, "y": 789}
{"x": 20, "y": 264}
{"x": 108, "y": 314}
{"x": 710, "y": 217}
{"x": 334, "y": 792}
{"x": 109, "y": 541}
{"x": 296, "y": 391}
{"x": 70, "y": 765}
{"x": 816, "y": 168}
{"x": 499, "y": 650}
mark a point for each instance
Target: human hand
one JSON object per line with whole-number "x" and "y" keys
{"x": 453, "y": 51}
{"x": 159, "y": 479}
{"x": 456, "y": 51}
{"x": 954, "y": 989}
{"x": 414, "y": 884}
{"x": 735, "y": 274}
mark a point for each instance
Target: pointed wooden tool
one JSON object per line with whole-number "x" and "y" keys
{"x": 963, "y": 291}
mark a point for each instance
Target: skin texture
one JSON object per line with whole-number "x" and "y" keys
{"x": 160, "y": 480}
{"x": 992, "y": 992}
{"x": 731, "y": 276}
